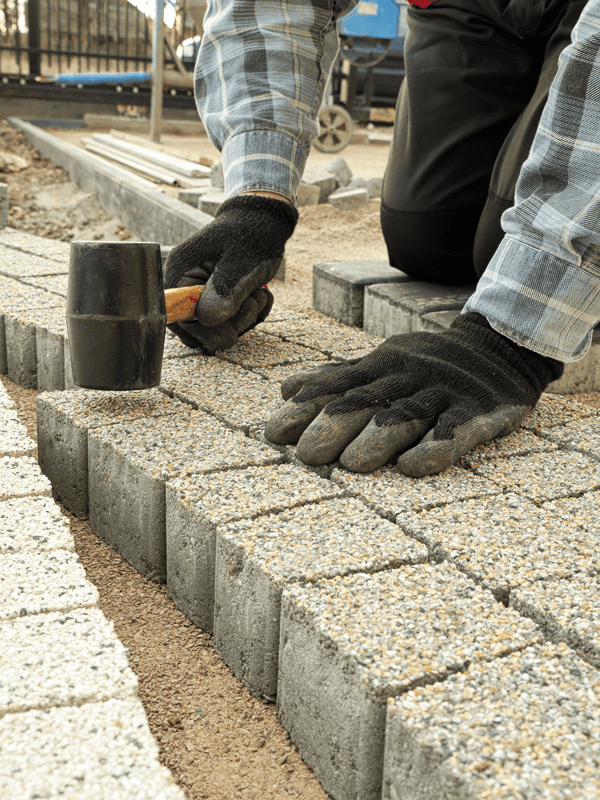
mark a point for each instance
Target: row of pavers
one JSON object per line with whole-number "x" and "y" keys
{"x": 436, "y": 637}
{"x": 71, "y": 724}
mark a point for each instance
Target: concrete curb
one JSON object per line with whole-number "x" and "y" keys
{"x": 343, "y": 596}
{"x": 147, "y": 212}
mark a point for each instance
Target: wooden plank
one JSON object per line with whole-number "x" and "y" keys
{"x": 147, "y": 170}
{"x": 172, "y": 163}
{"x": 130, "y": 137}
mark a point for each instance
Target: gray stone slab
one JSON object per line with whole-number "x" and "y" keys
{"x": 582, "y": 435}
{"x": 22, "y": 477}
{"x": 33, "y": 525}
{"x": 521, "y": 726}
{"x": 196, "y": 506}
{"x": 191, "y": 196}
{"x": 35, "y": 583}
{"x": 98, "y": 750}
{"x": 64, "y": 419}
{"x": 237, "y": 397}
{"x": 129, "y": 465}
{"x": 14, "y": 439}
{"x": 61, "y": 659}
{"x": 350, "y": 643}
{"x": 339, "y": 287}
{"x": 323, "y": 179}
{"x": 583, "y": 375}
{"x": 554, "y": 410}
{"x": 210, "y": 203}
{"x": 21, "y": 263}
{"x": 506, "y": 541}
{"x": 50, "y": 353}
{"x": 567, "y": 611}
{"x": 390, "y": 309}
{"x": 392, "y": 494}
{"x": 57, "y": 284}
{"x": 257, "y": 559}
{"x": 36, "y": 310}
{"x": 308, "y": 195}
{"x": 345, "y": 199}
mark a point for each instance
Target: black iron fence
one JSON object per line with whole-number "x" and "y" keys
{"x": 41, "y": 38}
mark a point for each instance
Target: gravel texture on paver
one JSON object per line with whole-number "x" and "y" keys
{"x": 316, "y": 541}
{"x": 19, "y": 263}
{"x": 238, "y": 398}
{"x": 524, "y": 726}
{"x": 57, "y": 284}
{"x": 61, "y": 658}
{"x": 391, "y": 494}
{"x": 14, "y": 439}
{"x": 567, "y": 610}
{"x": 98, "y": 751}
{"x": 324, "y": 337}
{"x": 257, "y": 350}
{"x": 175, "y": 348}
{"x": 506, "y": 541}
{"x": 33, "y": 524}
{"x": 410, "y": 626}
{"x": 518, "y": 443}
{"x": 247, "y": 493}
{"x": 20, "y": 477}
{"x": 86, "y": 408}
{"x": 36, "y": 245}
{"x": 555, "y": 409}
{"x": 279, "y": 373}
{"x": 32, "y": 583}
{"x": 581, "y": 435}
{"x": 543, "y": 476}
{"x": 6, "y": 402}
{"x": 187, "y": 443}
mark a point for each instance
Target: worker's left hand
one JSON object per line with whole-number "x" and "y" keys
{"x": 234, "y": 256}
{"x": 430, "y": 397}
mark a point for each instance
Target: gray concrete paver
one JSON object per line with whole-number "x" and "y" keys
{"x": 349, "y": 643}
{"x": 32, "y": 524}
{"x": 524, "y": 726}
{"x": 20, "y": 477}
{"x": 98, "y": 751}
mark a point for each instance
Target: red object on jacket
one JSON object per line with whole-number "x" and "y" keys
{"x": 421, "y": 3}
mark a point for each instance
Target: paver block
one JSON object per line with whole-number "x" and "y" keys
{"x": 582, "y": 435}
{"x": 18, "y": 263}
{"x": 129, "y": 465}
{"x": 340, "y": 168}
{"x": 257, "y": 559}
{"x": 543, "y": 476}
{"x": 240, "y": 399}
{"x": 345, "y": 199}
{"x": 390, "y": 309}
{"x": 554, "y": 410}
{"x": 339, "y": 287}
{"x": 392, "y": 494}
{"x": 521, "y": 726}
{"x": 257, "y": 349}
{"x": 50, "y": 353}
{"x": 14, "y": 439}
{"x": 64, "y": 419}
{"x": 34, "y": 583}
{"x": 93, "y": 752}
{"x": 22, "y": 477}
{"x": 583, "y": 375}
{"x": 324, "y": 337}
{"x": 6, "y": 403}
{"x": 196, "y": 506}
{"x": 349, "y": 643}
{"x": 35, "y": 245}
{"x": 567, "y": 610}
{"x": 282, "y": 371}
{"x": 33, "y": 525}
{"x": 56, "y": 284}
{"x": 506, "y": 541}
{"x": 210, "y": 203}
{"x": 191, "y": 196}
{"x": 518, "y": 443}
{"x": 38, "y": 310}
{"x": 308, "y": 194}
{"x": 21, "y": 352}
{"x": 61, "y": 658}
{"x": 321, "y": 178}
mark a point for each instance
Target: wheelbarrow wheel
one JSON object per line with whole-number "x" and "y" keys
{"x": 336, "y": 129}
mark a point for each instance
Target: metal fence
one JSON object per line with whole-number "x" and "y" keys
{"x": 45, "y": 37}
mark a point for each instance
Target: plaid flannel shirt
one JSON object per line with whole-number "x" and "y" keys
{"x": 260, "y": 79}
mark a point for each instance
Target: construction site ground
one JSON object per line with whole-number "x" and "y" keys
{"x": 216, "y": 738}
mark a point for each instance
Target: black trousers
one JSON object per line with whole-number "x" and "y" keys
{"x": 478, "y": 74}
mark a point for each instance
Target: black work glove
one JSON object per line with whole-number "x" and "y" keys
{"x": 234, "y": 256}
{"x": 430, "y": 396}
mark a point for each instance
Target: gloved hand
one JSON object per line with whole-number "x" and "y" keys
{"x": 234, "y": 256}
{"x": 430, "y": 397}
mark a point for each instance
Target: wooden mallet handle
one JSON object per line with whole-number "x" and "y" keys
{"x": 181, "y": 302}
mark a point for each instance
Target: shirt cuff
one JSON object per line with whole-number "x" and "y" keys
{"x": 263, "y": 160}
{"x": 539, "y": 301}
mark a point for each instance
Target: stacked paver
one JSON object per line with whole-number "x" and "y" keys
{"x": 428, "y": 638}
{"x": 70, "y": 721}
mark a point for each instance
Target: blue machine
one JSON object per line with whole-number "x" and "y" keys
{"x": 377, "y": 20}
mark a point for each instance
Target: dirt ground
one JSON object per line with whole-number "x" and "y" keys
{"x": 216, "y": 738}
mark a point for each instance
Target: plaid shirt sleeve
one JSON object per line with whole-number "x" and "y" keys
{"x": 259, "y": 84}
{"x": 542, "y": 287}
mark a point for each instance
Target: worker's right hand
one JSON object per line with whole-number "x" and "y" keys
{"x": 234, "y": 256}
